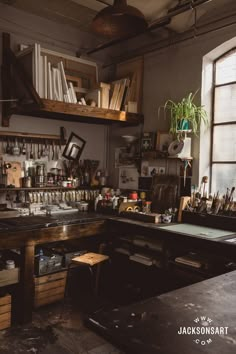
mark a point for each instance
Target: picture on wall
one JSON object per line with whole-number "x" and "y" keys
{"x": 163, "y": 141}
{"x": 123, "y": 158}
{"x": 74, "y": 147}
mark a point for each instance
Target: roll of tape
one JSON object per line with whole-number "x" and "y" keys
{"x": 129, "y": 208}
{"x": 136, "y": 208}
{"x": 175, "y": 147}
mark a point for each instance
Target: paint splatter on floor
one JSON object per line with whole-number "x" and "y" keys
{"x": 54, "y": 332}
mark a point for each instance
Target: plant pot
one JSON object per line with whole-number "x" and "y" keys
{"x": 183, "y": 124}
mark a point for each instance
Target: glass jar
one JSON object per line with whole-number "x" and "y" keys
{"x": 146, "y": 207}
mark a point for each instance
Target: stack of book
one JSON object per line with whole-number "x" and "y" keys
{"x": 120, "y": 94}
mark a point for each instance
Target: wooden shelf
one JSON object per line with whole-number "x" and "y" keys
{"x": 75, "y": 112}
{"x": 30, "y": 104}
{"x": 31, "y": 136}
{"x": 16, "y": 189}
{"x": 153, "y": 154}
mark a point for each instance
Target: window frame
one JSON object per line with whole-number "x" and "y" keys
{"x": 213, "y": 124}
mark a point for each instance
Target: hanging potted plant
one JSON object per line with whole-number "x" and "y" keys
{"x": 185, "y": 115}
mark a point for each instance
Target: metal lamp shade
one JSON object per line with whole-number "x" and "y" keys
{"x": 119, "y": 20}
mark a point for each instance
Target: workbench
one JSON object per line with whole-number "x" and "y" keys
{"x": 25, "y": 233}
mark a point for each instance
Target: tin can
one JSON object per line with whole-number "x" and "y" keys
{"x": 27, "y": 182}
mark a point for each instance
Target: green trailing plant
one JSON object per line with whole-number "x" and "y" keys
{"x": 185, "y": 115}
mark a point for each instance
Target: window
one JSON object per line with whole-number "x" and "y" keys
{"x": 223, "y": 151}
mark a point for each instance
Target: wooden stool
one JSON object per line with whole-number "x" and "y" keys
{"x": 90, "y": 260}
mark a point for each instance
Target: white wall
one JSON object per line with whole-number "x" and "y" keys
{"x": 26, "y": 28}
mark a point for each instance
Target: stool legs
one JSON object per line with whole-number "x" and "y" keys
{"x": 66, "y": 289}
{"x": 101, "y": 249}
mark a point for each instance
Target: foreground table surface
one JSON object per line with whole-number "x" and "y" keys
{"x": 159, "y": 324}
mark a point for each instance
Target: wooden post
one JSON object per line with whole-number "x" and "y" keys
{"x": 6, "y": 80}
{"x": 27, "y": 283}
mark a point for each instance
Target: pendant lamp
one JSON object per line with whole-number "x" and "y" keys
{"x": 119, "y": 20}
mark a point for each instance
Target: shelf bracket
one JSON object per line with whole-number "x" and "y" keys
{"x": 11, "y": 70}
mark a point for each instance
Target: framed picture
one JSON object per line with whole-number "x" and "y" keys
{"x": 74, "y": 147}
{"x": 163, "y": 141}
{"x": 123, "y": 158}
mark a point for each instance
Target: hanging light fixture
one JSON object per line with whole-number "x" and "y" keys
{"x": 119, "y": 20}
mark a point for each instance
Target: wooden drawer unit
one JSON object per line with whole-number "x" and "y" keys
{"x": 5, "y": 312}
{"x": 49, "y": 288}
{"x": 9, "y": 276}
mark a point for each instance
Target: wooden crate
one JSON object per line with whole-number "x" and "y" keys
{"x": 5, "y": 312}
{"x": 9, "y": 276}
{"x": 49, "y": 288}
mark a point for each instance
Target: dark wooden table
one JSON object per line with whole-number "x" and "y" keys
{"x": 152, "y": 326}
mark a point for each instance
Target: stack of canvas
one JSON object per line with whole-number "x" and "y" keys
{"x": 48, "y": 79}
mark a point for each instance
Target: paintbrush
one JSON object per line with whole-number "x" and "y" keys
{"x": 231, "y": 194}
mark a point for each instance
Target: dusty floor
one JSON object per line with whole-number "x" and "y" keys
{"x": 54, "y": 331}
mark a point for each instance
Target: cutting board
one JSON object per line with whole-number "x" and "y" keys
{"x": 14, "y": 174}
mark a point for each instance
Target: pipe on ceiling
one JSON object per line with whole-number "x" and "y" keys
{"x": 159, "y": 46}
{"x": 161, "y": 22}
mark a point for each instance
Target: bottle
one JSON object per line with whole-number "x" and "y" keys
{"x": 10, "y": 264}
{"x": 86, "y": 175}
{"x": 81, "y": 174}
{"x": 97, "y": 199}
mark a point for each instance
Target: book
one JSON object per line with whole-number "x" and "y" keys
{"x": 114, "y": 95}
{"x": 63, "y": 78}
{"x": 72, "y": 91}
{"x": 120, "y": 94}
{"x": 45, "y": 76}
{"x": 35, "y": 67}
{"x": 104, "y": 95}
{"x": 124, "y": 102}
{"x": 50, "y": 95}
{"x": 55, "y": 90}
{"x": 40, "y": 73}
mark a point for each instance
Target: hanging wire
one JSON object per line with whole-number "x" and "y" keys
{"x": 195, "y": 18}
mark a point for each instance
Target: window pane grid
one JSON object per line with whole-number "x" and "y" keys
{"x": 226, "y": 84}
{"x": 226, "y": 68}
{"x": 223, "y": 138}
{"x": 225, "y": 104}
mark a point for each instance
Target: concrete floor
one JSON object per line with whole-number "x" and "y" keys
{"x": 54, "y": 331}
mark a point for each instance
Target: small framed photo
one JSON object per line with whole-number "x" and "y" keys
{"x": 163, "y": 141}
{"x": 74, "y": 147}
{"x": 123, "y": 158}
